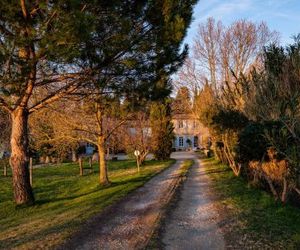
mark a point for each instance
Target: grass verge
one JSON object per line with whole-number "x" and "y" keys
{"x": 64, "y": 200}
{"x": 185, "y": 167}
{"x": 257, "y": 221}
{"x": 155, "y": 241}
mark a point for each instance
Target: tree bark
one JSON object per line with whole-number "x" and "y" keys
{"x": 47, "y": 159}
{"x": 236, "y": 168}
{"x": 284, "y": 191}
{"x": 19, "y": 160}
{"x": 297, "y": 190}
{"x": 272, "y": 188}
{"x": 142, "y": 157}
{"x": 103, "y": 178}
{"x": 30, "y": 171}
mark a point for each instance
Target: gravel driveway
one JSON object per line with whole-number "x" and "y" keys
{"x": 193, "y": 223}
{"x": 130, "y": 223}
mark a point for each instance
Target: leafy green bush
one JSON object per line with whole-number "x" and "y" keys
{"x": 229, "y": 119}
{"x": 252, "y": 143}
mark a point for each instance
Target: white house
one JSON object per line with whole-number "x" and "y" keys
{"x": 189, "y": 132}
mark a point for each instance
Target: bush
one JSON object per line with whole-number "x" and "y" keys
{"x": 229, "y": 120}
{"x": 252, "y": 144}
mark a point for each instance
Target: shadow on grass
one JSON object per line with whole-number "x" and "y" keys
{"x": 98, "y": 188}
{"x": 14, "y": 242}
{"x": 44, "y": 201}
{"x": 66, "y": 199}
{"x": 262, "y": 217}
{"x": 216, "y": 171}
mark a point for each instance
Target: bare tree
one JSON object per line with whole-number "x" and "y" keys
{"x": 93, "y": 120}
{"x": 222, "y": 55}
{"x": 45, "y": 136}
{"x": 207, "y": 45}
{"x": 138, "y": 135}
{"x": 220, "y": 51}
{"x": 191, "y": 76}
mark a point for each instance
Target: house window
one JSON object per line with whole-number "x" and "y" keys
{"x": 180, "y": 141}
{"x": 180, "y": 124}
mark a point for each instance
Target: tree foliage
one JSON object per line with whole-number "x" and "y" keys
{"x": 182, "y": 102}
{"x": 51, "y": 49}
{"x": 4, "y": 130}
{"x": 161, "y": 129}
{"x": 256, "y": 121}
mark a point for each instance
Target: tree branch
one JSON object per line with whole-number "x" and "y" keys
{"x": 54, "y": 96}
{"x": 116, "y": 127}
{"x": 5, "y": 106}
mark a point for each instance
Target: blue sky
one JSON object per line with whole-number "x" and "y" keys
{"x": 280, "y": 15}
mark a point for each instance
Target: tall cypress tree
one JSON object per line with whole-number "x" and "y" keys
{"x": 162, "y": 130}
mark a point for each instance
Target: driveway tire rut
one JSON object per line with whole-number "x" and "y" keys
{"x": 130, "y": 223}
{"x": 194, "y": 221}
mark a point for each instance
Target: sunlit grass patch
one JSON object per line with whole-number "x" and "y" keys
{"x": 259, "y": 214}
{"x": 64, "y": 200}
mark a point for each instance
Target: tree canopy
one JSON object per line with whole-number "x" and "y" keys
{"x": 51, "y": 49}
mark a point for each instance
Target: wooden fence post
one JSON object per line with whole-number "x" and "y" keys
{"x": 80, "y": 166}
{"x": 5, "y": 170}
{"x": 90, "y": 165}
{"x": 138, "y": 163}
{"x": 30, "y": 170}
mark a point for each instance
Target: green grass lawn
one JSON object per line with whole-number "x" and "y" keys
{"x": 64, "y": 200}
{"x": 260, "y": 216}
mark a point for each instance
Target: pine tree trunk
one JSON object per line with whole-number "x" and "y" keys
{"x": 103, "y": 178}
{"x": 19, "y": 160}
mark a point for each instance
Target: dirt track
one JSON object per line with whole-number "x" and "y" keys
{"x": 193, "y": 223}
{"x": 130, "y": 223}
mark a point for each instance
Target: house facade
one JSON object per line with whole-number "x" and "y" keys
{"x": 190, "y": 134}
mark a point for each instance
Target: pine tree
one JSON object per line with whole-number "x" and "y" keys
{"x": 50, "y": 49}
